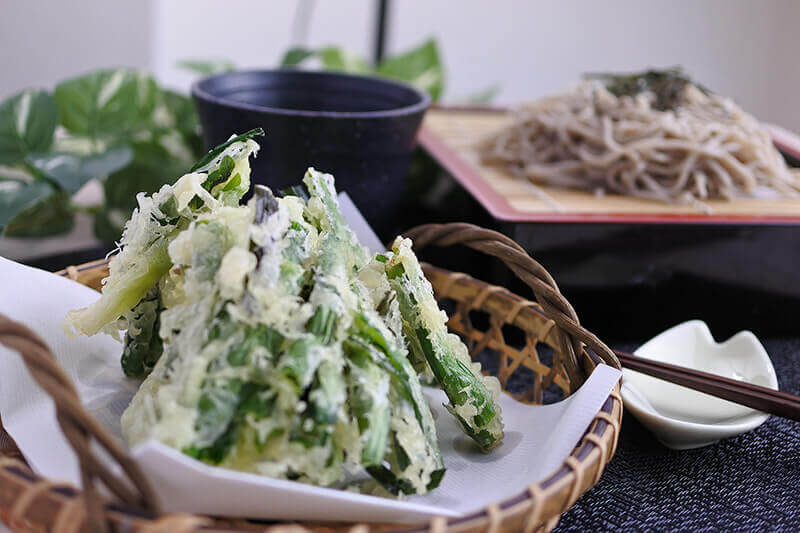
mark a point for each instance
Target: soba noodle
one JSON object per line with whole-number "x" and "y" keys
{"x": 588, "y": 138}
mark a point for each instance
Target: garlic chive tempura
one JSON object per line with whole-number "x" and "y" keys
{"x": 271, "y": 341}
{"x": 473, "y": 396}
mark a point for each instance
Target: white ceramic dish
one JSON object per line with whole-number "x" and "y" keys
{"x": 682, "y": 418}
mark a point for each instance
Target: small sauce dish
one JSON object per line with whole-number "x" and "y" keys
{"x": 682, "y": 418}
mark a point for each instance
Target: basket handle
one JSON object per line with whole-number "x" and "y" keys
{"x": 573, "y": 336}
{"x": 80, "y": 429}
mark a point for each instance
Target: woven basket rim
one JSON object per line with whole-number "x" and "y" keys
{"x": 545, "y": 499}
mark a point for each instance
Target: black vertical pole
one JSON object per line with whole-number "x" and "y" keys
{"x": 380, "y": 31}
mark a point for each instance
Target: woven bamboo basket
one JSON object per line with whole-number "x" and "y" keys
{"x": 111, "y": 502}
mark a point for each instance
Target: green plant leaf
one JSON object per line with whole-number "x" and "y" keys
{"x": 337, "y": 59}
{"x": 14, "y": 174}
{"x": 207, "y": 67}
{"x": 27, "y": 122}
{"x": 35, "y": 209}
{"x": 484, "y": 96}
{"x": 181, "y": 110}
{"x": 107, "y": 102}
{"x": 295, "y": 56}
{"x": 184, "y": 119}
{"x": 421, "y": 67}
{"x": 51, "y": 216}
{"x": 71, "y": 171}
{"x": 16, "y": 197}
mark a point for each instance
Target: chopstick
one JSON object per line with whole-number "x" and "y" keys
{"x": 760, "y": 398}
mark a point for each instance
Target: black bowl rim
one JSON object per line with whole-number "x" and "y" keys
{"x": 424, "y": 98}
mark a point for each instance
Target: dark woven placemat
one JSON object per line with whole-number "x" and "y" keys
{"x": 750, "y": 482}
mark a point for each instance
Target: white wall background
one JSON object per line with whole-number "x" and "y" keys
{"x": 746, "y": 49}
{"x": 44, "y": 41}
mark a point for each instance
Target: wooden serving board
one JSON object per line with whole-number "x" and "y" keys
{"x": 451, "y": 136}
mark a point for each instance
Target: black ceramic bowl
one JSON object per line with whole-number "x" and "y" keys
{"x": 360, "y": 129}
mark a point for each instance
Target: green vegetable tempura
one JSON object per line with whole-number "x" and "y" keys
{"x": 270, "y": 341}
